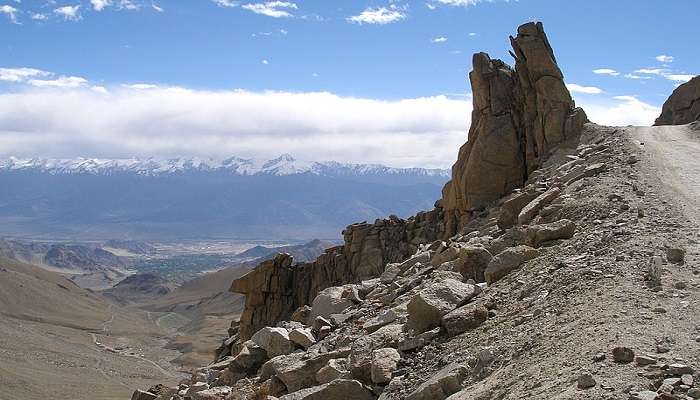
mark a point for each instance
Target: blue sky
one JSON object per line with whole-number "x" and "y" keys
{"x": 621, "y": 58}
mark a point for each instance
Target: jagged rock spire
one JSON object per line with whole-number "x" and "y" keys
{"x": 519, "y": 115}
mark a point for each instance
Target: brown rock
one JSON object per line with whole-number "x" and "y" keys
{"x": 465, "y": 318}
{"x": 510, "y": 209}
{"x": 562, "y": 229}
{"x": 444, "y": 383}
{"x": 425, "y": 309}
{"x": 474, "y": 260}
{"x": 683, "y": 106}
{"x": 623, "y": 354}
{"x": 384, "y": 362}
{"x": 276, "y": 288}
{"x": 507, "y": 261}
{"x": 519, "y": 115}
{"x": 141, "y": 395}
{"x": 339, "y": 389}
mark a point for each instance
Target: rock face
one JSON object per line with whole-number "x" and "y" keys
{"x": 276, "y": 288}
{"x": 519, "y": 115}
{"x": 683, "y": 106}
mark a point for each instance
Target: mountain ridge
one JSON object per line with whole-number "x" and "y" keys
{"x": 283, "y": 165}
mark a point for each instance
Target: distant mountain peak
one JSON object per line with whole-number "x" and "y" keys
{"x": 283, "y": 165}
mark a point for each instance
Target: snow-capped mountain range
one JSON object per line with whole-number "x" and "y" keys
{"x": 280, "y": 166}
{"x": 203, "y": 198}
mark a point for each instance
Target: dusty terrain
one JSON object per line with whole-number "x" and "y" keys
{"x": 48, "y": 334}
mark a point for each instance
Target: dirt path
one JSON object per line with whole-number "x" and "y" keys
{"x": 102, "y": 346}
{"x": 675, "y": 151}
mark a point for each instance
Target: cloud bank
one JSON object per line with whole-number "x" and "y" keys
{"x": 128, "y": 121}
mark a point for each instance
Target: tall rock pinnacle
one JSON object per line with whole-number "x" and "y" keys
{"x": 519, "y": 115}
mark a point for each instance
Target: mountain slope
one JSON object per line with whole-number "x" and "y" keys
{"x": 46, "y": 328}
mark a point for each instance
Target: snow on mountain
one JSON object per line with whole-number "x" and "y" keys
{"x": 280, "y": 166}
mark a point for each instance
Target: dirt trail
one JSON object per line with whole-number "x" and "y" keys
{"x": 675, "y": 151}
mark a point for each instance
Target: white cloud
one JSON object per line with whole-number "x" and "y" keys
{"x": 128, "y": 5}
{"x": 39, "y": 17}
{"x": 679, "y": 77}
{"x": 440, "y": 39}
{"x": 664, "y": 58}
{"x": 379, "y": 15}
{"x": 575, "y": 88}
{"x": 264, "y": 62}
{"x": 226, "y": 3}
{"x": 139, "y": 86}
{"x": 60, "y": 82}
{"x": 472, "y": 34}
{"x": 11, "y": 12}
{"x": 99, "y": 89}
{"x": 459, "y": 3}
{"x": 606, "y": 71}
{"x": 620, "y": 111}
{"x": 21, "y": 74}
{"x": 652, "y": 71}
{"x": 662, "y": 72}
{"x": 99, "y": 5}
{"x": 169, "y": 122}
{"x": 633, "y": 76}
{"x": 274, "y": 9}
{"x": 69, "y": 13}
{"x": 157, "y": 7}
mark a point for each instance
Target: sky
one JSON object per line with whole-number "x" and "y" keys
{"x": 357, "y": 81}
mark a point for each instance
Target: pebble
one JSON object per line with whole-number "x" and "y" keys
{"x": 644, "y": 360}
{"x": 586, "y": 381}
{"x": 623, "y": 354}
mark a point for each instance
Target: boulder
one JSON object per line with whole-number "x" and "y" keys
{"x": 382, "y": 319}
{"x": 302, "y": 337}
{"x": 143, "y": 395}
{"x": 249, "y": 359}
{"x": 298, "y": 370}
{"x": 683, "y": 106}
{"x": 444, "y": 383}
{"x": 474, "y": 260}
{"x": 329, "y": 301}
{"x": 562, "y": 229}
{"x": 511, "y": 208}
{"x": 426, "y": 308}
{"x": 464, "y": 319}
{"x": 340, "y": 389}
{"x": 362, "y": 347}
{"x": 275, "y": 341}
{"x": 215, "y": 393}
{"x": 384, "y": 362}
{"x": 507, "y": 261}
{"x": 532, "y": 208}
{"x": 447, "y": 254}
{"x": 301, "y": 315}
{"x": 336, "y": 368}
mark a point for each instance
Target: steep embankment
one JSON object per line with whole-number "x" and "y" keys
{"x": 47, "y": 347}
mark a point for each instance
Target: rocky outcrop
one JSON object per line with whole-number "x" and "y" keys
{"x": 277, "y": 287}
{"x": 683, "y": 106}
{"x": 519, "y": 116}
